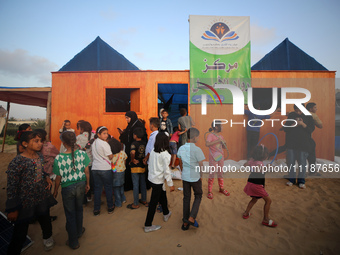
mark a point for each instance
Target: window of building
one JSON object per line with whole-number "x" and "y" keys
{"x": 122, "y": 100}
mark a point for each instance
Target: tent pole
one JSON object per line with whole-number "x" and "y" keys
{"x": 48, "y": 117}
{"x": 5, "y": 131}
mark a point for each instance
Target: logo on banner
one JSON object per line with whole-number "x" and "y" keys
{"x": 220, "y": 32}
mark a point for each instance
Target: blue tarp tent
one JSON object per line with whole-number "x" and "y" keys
{"x": 98, "y": 56}
{"x": 287, "y": 56}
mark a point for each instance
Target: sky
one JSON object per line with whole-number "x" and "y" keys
{"x": 40, "y": 36}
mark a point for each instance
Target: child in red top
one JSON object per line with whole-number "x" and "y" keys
{"x": 173, "y": 145}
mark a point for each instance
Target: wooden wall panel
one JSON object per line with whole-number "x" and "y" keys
{"x": 321, "y": 85}
{"x": 81, "y": 95}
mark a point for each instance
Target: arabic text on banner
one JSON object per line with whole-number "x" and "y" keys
{"x": 219, "y": 54}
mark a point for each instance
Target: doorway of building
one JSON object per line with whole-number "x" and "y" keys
{"x": 173, "y": 96}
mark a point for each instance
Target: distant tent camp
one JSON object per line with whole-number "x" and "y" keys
{"x": 98, "y": 56}
{"x": 288, "y": 57}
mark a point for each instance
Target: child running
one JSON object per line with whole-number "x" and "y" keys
{"x": 118, "y": 168}
{"x": 28, "y": 193}
{"x": 159, "y": 171}
{"x": 138, "y": 168}
{"x": 216, "y": 144}
{"x": 190, "y": 156}
{"x": 256, "y": 183}
{"x": 101, "y": 170}
{"x": 72, "y": 171}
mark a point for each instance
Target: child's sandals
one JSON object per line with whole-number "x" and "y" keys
{"x": 270, "y": 224}
{"x": 224, "y": 192}
{"x": 245, "y": 216}
{"x": 210, "y": 195}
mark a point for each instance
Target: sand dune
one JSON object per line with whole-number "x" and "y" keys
{"x": 308, "y": 223}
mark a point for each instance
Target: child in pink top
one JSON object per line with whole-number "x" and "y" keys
{"x": 215, "y": 142}
{"x": 173, "y": 145}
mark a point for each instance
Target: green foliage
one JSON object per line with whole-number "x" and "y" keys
{"x": 11, "y": 130}
{"x": 9, "y": 140}
{"x": 39, "y": 124}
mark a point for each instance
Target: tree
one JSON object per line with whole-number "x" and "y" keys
{"x": 39, "y": 124}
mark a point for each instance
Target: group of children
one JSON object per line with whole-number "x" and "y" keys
{"x": 90, "y": 162}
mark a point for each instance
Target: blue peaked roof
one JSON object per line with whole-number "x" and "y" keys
{"x": 98, "y": 55}
{"x": 287, "y": 56}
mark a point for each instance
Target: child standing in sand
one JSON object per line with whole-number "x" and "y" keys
{"x": 66, "y": 126}
{"x": 72, "y": 171}
{"x": 256, "y": 183}
{"x": 158, "y": 172}
{"x": 49, "y": 152}
{"x": 138, "y": 169}
{"x": 190, "y": 156}
{"x": 101, "y": 170}
{"x": 28, "y": 193}
{"x": 216, "y": 144}
{"x": 118, "y": 168}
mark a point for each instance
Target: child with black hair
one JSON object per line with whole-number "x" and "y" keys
{"x": 84, "y": 141}
{"x": 66, "y": 126}
{"x": 165, "y": 123}
{"x": 71, "y": 168}
{"x": 138, "y": 168}
{"x": 184, "y": 122}
{"x": 118, "y": 168}
{"x": 22, "y": 128}
{"x": 216, "y": 144}
{"x": 158, "y": 172}
{"x": 190, "y": 157}
{"x": 174, "y": 140}
{"x": 28, "y": 193}
{"x": 256, "y": 183}
{"x": 49, "y": 151}
{"x": 78, "y": 124}
{"x": 101, "y": 170}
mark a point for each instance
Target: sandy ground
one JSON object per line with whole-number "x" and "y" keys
{"x": 308, "y": 223}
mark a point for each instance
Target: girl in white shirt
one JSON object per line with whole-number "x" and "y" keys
{"x": 159, "y": 171}
{"x": 101, "y": 170}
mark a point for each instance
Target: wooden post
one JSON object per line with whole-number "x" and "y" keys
{"x": 48, "y": 116}
{"x": 5, "y": 131}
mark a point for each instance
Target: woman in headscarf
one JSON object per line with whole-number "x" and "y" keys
{"x": 126, "y": 137}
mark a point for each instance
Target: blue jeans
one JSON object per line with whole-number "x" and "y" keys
{"x": 301, "y": 158}
{"x": 138, "y": 179}
{"x": 73, "y": 196}
{"x": 102, "y": 178}
{"x": 118, "y": 188}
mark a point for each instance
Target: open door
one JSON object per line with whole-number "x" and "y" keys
{"x": 173, "y": 97}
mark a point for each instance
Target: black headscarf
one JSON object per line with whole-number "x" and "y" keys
{"x": 133, "y": 116}
{"x": 127, "y": 136}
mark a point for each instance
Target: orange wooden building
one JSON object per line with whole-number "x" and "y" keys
{"x": 92, "y": 95}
